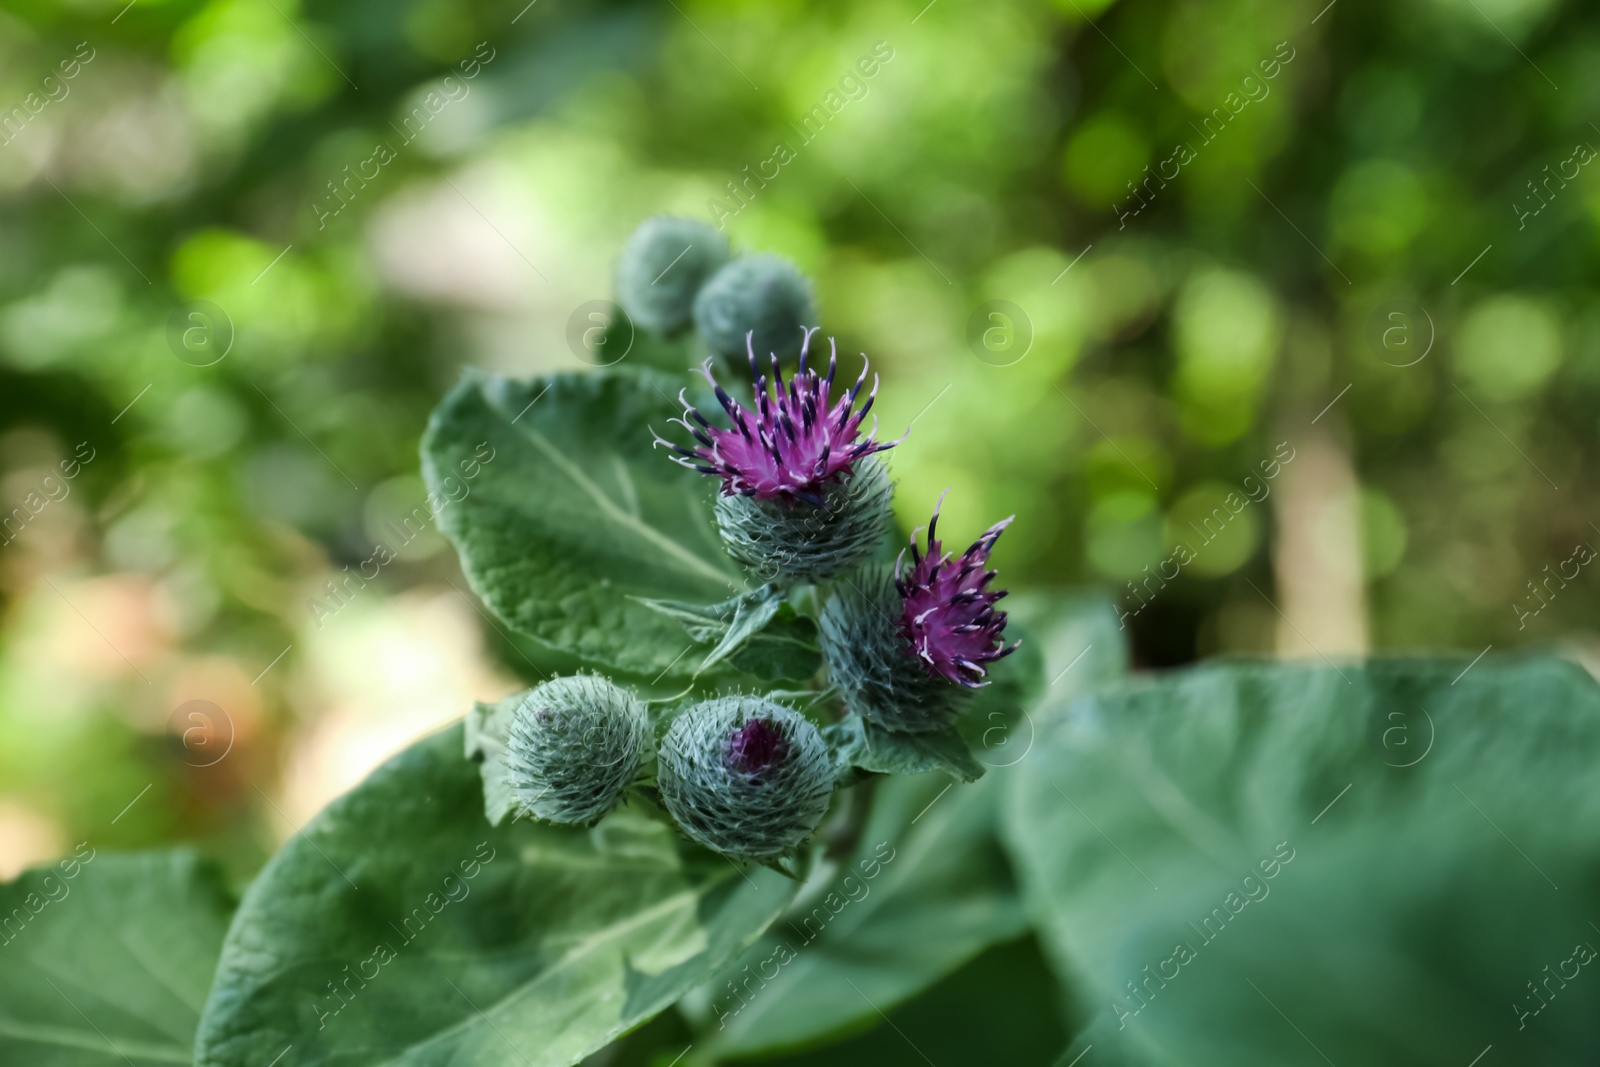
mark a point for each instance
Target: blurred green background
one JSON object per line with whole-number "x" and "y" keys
{"x": 1115, "y": 262}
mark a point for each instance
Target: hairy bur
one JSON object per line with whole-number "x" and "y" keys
{"x": 802, "y": 541}
{"x": 904, "y": 651}
{"x": 745, "y": 776}
{"x": 576, "y": 744}
{"x": 663, "y": 265}
{"x": 763, "y": 299}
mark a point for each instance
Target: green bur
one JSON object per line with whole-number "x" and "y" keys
{"x": 794, "y": 541}
{"x": 872, "y": 663}
{"x": 663, "y": 266}
{"x": 763, "y": 295}
{"x": 745, "y": 776}
{"x": 576, "y": 743}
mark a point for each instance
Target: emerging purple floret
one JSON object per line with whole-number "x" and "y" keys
{"x": 792, "y": 444}
{"x": 754, "y": 747}
{"x": 949, "y": 615}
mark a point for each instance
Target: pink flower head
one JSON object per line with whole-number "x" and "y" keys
{"x": 948, "y": 614}
{"x": 792, "y": 444}
{"x": 754, "y": 747}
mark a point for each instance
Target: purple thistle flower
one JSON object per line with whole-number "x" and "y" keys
{"x": 792, "y": 444}
{"x": 755, "y": 746}
{"x": 948, "y": 614}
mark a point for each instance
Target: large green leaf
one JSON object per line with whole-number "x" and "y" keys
{"x": 861, "y": 945}
{"x": 468, "y": 944}
{"x": 927, "y": 889}
{"x": 859, "y": 745}
{"x": 105, "y": 959}
{"x": 1261, "y": 864}
{"x": 572, "y": 515}
{"x": 1001, "y": 1007}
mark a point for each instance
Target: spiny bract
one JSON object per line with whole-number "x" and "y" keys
{"x": 745, "y": 776}
{"x": 872, "y": 664}
{"x": 806, "y": 543}
{"x": 576, "y": 743}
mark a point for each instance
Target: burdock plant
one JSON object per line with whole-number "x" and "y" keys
{"x": 663, "y": 265}
{"x": 745, "y": 776}
{"x": 947, "y": 608}
{"x": 762, "y": 296}
{"x": 888, "y": 653}
{"x": 576, "y": 744}
{"x": 802, "y": 498}
{"x": 735, "y": 711}
{"x": 905, "y": 652}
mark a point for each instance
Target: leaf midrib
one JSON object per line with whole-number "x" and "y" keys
{"x": 615, "y": 514}
{"x": 112, "y": 1049}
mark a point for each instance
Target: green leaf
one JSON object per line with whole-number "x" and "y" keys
{"x": 926, "y": 889}
{"x": 704, "y": 623}
{"x": 485, "y": 732}
{"x": 946, "y": 893}
{"x": 1075, "y": 643}
{"x": 1003, "y": 1007}
{"x": 860, "y": 745}
{"x": 465, "y": 943}
{"x": 758, "y": 632}
{"x": 1356, "y": 863}
{"x": 572, "y": 515}
{"x": 105, "y": 959}
{"x": 750, "y": 616}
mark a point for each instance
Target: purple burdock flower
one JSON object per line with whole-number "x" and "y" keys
{"x": 793, "y": 444}
{"x": 948, "y": 614}
{"x": 755, "y": 746}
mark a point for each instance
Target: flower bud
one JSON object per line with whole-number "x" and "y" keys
{"x": 798, "y": 541}
{"x": 764, "y": 294}
{"x": 663, "y": 266}
{"x": 874, "y": 667}
{"x": 576, "y": 743}
{"x": 745, "y": 776}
